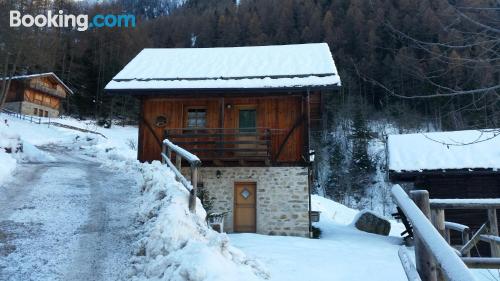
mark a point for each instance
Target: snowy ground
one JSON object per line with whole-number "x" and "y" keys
{"x": 60, "y": 221}
{"x": 79, "y": 207}
{"x": 342, "y": 253}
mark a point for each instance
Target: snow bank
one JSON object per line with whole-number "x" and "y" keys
{"x": 7, "y": 165}
{"x": 334, "y": 214}
{"x": 332, "y": 211}
{"x": 14, "y": 149}
{"x": 178, "y": 245}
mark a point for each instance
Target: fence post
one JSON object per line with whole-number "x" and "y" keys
{"x": 164, "y": 151}
{"x": 492, "y": 218}
{"x": 178, "y": 162}
{"x": 194, "y": 183}
{"x": 425, "y": 262}
{"x": 437, "y": 216}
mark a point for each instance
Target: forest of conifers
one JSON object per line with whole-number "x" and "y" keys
{"x": 385, "y": 50}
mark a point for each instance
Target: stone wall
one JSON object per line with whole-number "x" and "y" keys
{"x": 282, "y": 196}
{"x": 27, "y": 108}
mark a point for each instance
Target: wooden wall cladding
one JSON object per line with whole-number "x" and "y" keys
{"x": 278, "y": 113}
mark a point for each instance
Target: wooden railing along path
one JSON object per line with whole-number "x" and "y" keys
{"x": 167, "y": 148}
{"x": 435, "y": 259}
{"x": 31, "y": 119}
{"x": 433, "y": 255}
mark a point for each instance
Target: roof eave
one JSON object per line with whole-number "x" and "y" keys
{"x": 31, "y": 76}
{"x": 409, "y": 176}
{"x": 182, "y": 91}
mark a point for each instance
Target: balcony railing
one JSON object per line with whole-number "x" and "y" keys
{"x": 42, "y": 88}
{"x": 225, "y": 144}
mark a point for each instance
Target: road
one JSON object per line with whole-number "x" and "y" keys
{"x": 71, "y": 219}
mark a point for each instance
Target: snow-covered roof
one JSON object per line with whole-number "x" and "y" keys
{"x": 51, "y": 74}
{"x": 457, "y": 150}
{"x": 283, "y": 66}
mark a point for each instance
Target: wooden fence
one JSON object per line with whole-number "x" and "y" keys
{"x": 488, "y": 232}
{"x": 435, "y": 259}
{"x": 433, "y": 256}
{"x": 167, "y": 148}
{"x": 31, "y": 119}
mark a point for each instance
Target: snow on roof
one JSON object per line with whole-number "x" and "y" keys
{"x": 472, "y": 149}
{"x": 284, "y": 66}
{"x": 52, "y": 74}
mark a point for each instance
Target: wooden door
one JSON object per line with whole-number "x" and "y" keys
{"x": 245, "y": 207}
{"x": 247, "y": 124}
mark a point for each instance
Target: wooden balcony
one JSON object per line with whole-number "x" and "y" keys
{"x": 216, "y": 145}
{"x": 44, "y": 89}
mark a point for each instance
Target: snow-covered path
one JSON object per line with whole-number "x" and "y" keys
{"x": 66, "y": 220}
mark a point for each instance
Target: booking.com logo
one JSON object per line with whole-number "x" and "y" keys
{"x": 78, "y": 22}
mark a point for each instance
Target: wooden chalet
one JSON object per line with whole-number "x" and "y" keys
{"x": 247, "y": 112}
{"x": 450, "y": 165}
{"x": 37, "y": 94}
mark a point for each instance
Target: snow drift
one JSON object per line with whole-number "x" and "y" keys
{"x": 177, "y": 244}
{"x": 14, "y": 149}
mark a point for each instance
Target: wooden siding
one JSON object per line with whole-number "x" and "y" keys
{"x": 41, "y": 98}
{"x": 43, "y": 91}
{"x": 449, "y": 187}
{"x": 278, "y": 113}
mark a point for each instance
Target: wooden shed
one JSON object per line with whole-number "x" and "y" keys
{"x": 37, "y": 94}
{"x": 450, "y": 165}
{"x": 248, "y": 113}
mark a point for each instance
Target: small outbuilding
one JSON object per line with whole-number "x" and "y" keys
{"x": 458, "y": 164}
{"x": 36, "y": 94}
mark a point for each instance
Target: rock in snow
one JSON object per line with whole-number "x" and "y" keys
{"x": 370, "y": 222}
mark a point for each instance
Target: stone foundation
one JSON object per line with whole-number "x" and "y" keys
{"x": 282, "y": 196}
{"x": 28, "y": 108}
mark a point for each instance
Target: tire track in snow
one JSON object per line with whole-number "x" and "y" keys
{"x": 67, "y": 220}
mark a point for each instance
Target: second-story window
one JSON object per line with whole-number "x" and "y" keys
{"x": 196, "y": 118}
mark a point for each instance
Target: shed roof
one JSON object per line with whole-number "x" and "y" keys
{"x": 457, "y": 150}
{"x": 50, "y": 74}
{"x": 260, "y": 67}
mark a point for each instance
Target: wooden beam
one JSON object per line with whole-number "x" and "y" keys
{"x": 465, "y": 250}
{"x": 192, "y": 193}
{"x": 486, "y": 263}
{"x": 465, "y": 203}
{"x": 408, "y": 266}
{"x": 425, "y": 262}
{"x": 492, "y": 219}
{"x": 299, "y": 121}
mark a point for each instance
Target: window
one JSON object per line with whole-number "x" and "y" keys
{"x": 196, "y": 118}
{"x": 248, "y": 120}
{"x": 46, "y": 113}
{"x": 35, "y": 111}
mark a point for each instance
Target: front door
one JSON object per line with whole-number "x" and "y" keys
{"x": 245, "y": 207}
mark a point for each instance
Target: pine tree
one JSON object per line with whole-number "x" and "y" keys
{"x": 361, "y": 167}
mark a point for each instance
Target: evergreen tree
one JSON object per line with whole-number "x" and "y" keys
{"x": 361, "y": 167}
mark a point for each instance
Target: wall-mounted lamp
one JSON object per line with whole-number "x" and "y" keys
{"x": 218, "y": 174}
{"x": 229, "y": 106}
